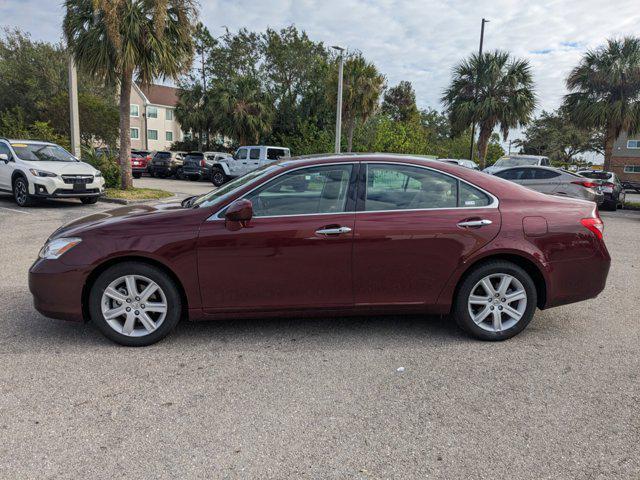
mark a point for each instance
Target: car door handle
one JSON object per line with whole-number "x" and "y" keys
{"x": 475, "y": 223}
{"x": 333, "y": 231}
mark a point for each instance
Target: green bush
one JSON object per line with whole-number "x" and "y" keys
{"x": 107, "y": 163}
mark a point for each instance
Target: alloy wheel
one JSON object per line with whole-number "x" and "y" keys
{"x": 497, "y": 302}
{"x": 20, "y": 192}
{"x": 134, "y": 305}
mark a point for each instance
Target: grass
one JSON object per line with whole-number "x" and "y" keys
{"x": 632, "y": 205}
{"x": 137, "y": 193}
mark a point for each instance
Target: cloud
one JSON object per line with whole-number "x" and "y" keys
{"x": 415, "y": 40}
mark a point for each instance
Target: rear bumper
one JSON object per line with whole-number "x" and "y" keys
{"x": 57, "y": 289}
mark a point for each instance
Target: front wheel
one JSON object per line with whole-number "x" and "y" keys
{"x": 137, "y": 175}
{"x": 89, "y": 200}
{"x": 135, "y": 304}
{"x": 496, "y": 301}
{"x": 21, "y": 192}
{"x": 218, "y": 177}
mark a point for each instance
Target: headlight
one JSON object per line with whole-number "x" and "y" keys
{"x": 97, "y": 174}
{"x": 42, "y": 173}
{"x": 55, "y": 248}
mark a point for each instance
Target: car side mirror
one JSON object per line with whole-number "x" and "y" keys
{"x": 238, "y": 214}
{"x": 4, "y": 157}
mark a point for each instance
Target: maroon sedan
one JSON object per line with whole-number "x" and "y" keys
{"x": 330, "y": 235}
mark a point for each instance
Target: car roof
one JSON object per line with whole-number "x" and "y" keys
{"x": 263, "y": 146}
{"x": 524, "y": 155}
{"x": 28, "y": 142}
{"x": 538, "y": 167}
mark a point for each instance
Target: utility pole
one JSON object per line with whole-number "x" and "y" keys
{"x": 339, "y": 102}
{"x": 73, "y": 108}
{"x": 473, "y": 124}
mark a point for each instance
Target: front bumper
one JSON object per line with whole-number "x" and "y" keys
{"x": 55, "y": 187}
{"x": 57, "y": 289}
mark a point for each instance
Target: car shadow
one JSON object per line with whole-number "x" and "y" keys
{"x": 6, "y": 201}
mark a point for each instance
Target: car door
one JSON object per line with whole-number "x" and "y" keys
{"x": 414, "y": 227}
{"x": 294, "y": 253}
{"x": 238, "y": 166}
{"x": 6, "y": 167}
{"x": 254, "y": 159}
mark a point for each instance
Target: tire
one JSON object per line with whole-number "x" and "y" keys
{"x": 155, "y": 327}
{"x": 21, "y": 192}
{"x": 193, "y": 178}
{"x": 89, "y": 200}
{"x": 218, "y": 178}
{"x": 137, "y": 175}
{"x": 179, "y": 175}
{"x": 486, "y": 329}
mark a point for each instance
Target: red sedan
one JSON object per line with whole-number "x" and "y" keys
{"x": 330, "y": 235}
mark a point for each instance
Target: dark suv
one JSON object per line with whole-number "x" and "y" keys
{"x": 198, "y": 165}
{"x": 166, "y": 164}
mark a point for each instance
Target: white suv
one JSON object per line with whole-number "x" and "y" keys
{"x": 32, "y": 170}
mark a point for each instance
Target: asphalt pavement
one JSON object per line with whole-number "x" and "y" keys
{"x": 319, "y": 398}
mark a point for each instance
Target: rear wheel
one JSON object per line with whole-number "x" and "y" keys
{"x": 496, "y": 301}
{"x": 21, "y": 192}
{"x": 193, "y": 178}
{"x": 218, "y": 177}
{"x": 137, "y": 175}
{"x": 135, "y": 304}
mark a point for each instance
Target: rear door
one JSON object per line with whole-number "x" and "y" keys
{"x": 414, "y": 227}
{"x": 254, "y": 159}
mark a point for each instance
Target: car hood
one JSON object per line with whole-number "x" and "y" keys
{"x": 117, "y": 215}
{"x": 63, "y": 168}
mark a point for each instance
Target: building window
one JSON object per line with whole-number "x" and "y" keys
{"x": 152, "y": 112}
{"x": 168, "y": 136}
{"x": 633, "y": 143}
{"x": 169, "y": 114}
{"x": 186, "y": 135}
{"x": 632, "y": 169}
{"x": 135, "y": 133}
{"x": 152, "y": 134}
{"x": 134, "y": 110}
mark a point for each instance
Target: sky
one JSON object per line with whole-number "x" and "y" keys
{"x": 415, "y": 40}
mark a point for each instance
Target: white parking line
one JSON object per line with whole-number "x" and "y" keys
{"x": 14, "y": 210}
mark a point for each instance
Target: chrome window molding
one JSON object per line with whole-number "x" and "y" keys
{"x": 494, "y": 200}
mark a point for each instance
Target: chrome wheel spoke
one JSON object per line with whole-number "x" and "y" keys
{"x": 155, "y": 307}
{"x": 479, "y": 300}
{"x": 488, "y": 287}
{"x": 148, "y": 291}
{"x": 484, "y": 313}
{"x": 505, "y": 281}
{"x": 115, "y": 295}
{"x": 146, "y": 321}
{"x": 517, "y": 295}
{"x": 497, "y": 320}
{"x": 132, "y": 290}
{"x": 114, "y": 313}
{"x": 512, "y": 312}
{"x": 129, "y": 324}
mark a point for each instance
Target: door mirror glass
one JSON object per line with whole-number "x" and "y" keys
{"x": 239, "y": 211}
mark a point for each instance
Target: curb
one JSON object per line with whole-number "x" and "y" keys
{"x": 122, "y": 201}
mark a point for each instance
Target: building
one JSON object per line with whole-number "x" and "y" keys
{"x": 153, "y": 123}
{"x": 625, "y": 158}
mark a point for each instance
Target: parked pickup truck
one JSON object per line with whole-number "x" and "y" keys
{"x": 245, "y": 160}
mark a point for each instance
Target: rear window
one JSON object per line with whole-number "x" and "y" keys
{"x": 276, "y": 153}
{"x": 516, "y": 162}
{"x": 195, "y": 156}
{"x": 596, "y": 175}
{"x": 163, "y": 155}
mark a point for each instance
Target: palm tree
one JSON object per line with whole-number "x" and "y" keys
{"x": 605, "y": 90}
{"x": 243, "y": 109}
{"x": 362, "y": 87}
{"x": 115, "y": 39}
{"x": 491, "y": 90}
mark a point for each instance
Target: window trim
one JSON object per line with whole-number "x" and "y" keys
{"x": 152, "y": 130}
{"x": 362, "y": 186}
{"x": 166, "y": 113}
{"x": 137, "y": 130}
{"x": 358, "y": 178}
{"x": 633, "y": 148}
{"x": 137, "y": 108}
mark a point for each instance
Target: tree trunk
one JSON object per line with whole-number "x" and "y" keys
{"x": 483, "y": 143}
{"x": 609, "y": 139}
{"x": 124, "y": 158}
{"x": 351, "y": 126}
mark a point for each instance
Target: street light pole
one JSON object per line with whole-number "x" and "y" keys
{"x": 339, "y": 101}
{"x": 473, "y": 124}
{"x": 73, "y": 108}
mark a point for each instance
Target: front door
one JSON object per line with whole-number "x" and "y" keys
{"x": 414, "y": 227}
{"x": 6, "y": 168}
{"x": 295, "y": 252}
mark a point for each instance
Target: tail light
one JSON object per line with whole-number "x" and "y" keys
{"x": 203, "y": 163}
{"x": 595, "y": 225}
{"x": 585, "y": 183}
{"x": 608, "y": 184}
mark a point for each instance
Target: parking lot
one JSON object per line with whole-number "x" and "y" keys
{"x": 319, "y": 398}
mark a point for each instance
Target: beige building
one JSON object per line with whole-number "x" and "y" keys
{"x": 153, "y": 123}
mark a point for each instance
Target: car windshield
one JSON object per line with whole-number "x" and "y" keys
{"x": 38, "y": 152}
{"x": 229, "y": 188}
{"x": 596, "y": 175}
{"x": 515, "y": 162}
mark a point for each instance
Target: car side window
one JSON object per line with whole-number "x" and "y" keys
{"x": 4, "y": 148}
{"x": 469, "y": 196}
{"x": 254, "y": 154}
{"x": 508, "y": 174}
{"x": 304, "y": 192}
{"x": 242, "y": 154}
{"x": 540, "y": 174}
{"x": 275, "y": 153}
{"x": 404, "y": 187}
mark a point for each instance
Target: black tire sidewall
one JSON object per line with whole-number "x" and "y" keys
{"x": 221, "y": 175}
{"x": 89, "y": 200}
{"x": 27, "y": 202}
{"x": 174, "y": 302}
{"x": 461, "y": 311}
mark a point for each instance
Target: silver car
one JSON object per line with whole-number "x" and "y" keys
{"x": 461, "y": 161}
{"x": 554, "y": 181}
{"x": 518, "y": 160}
